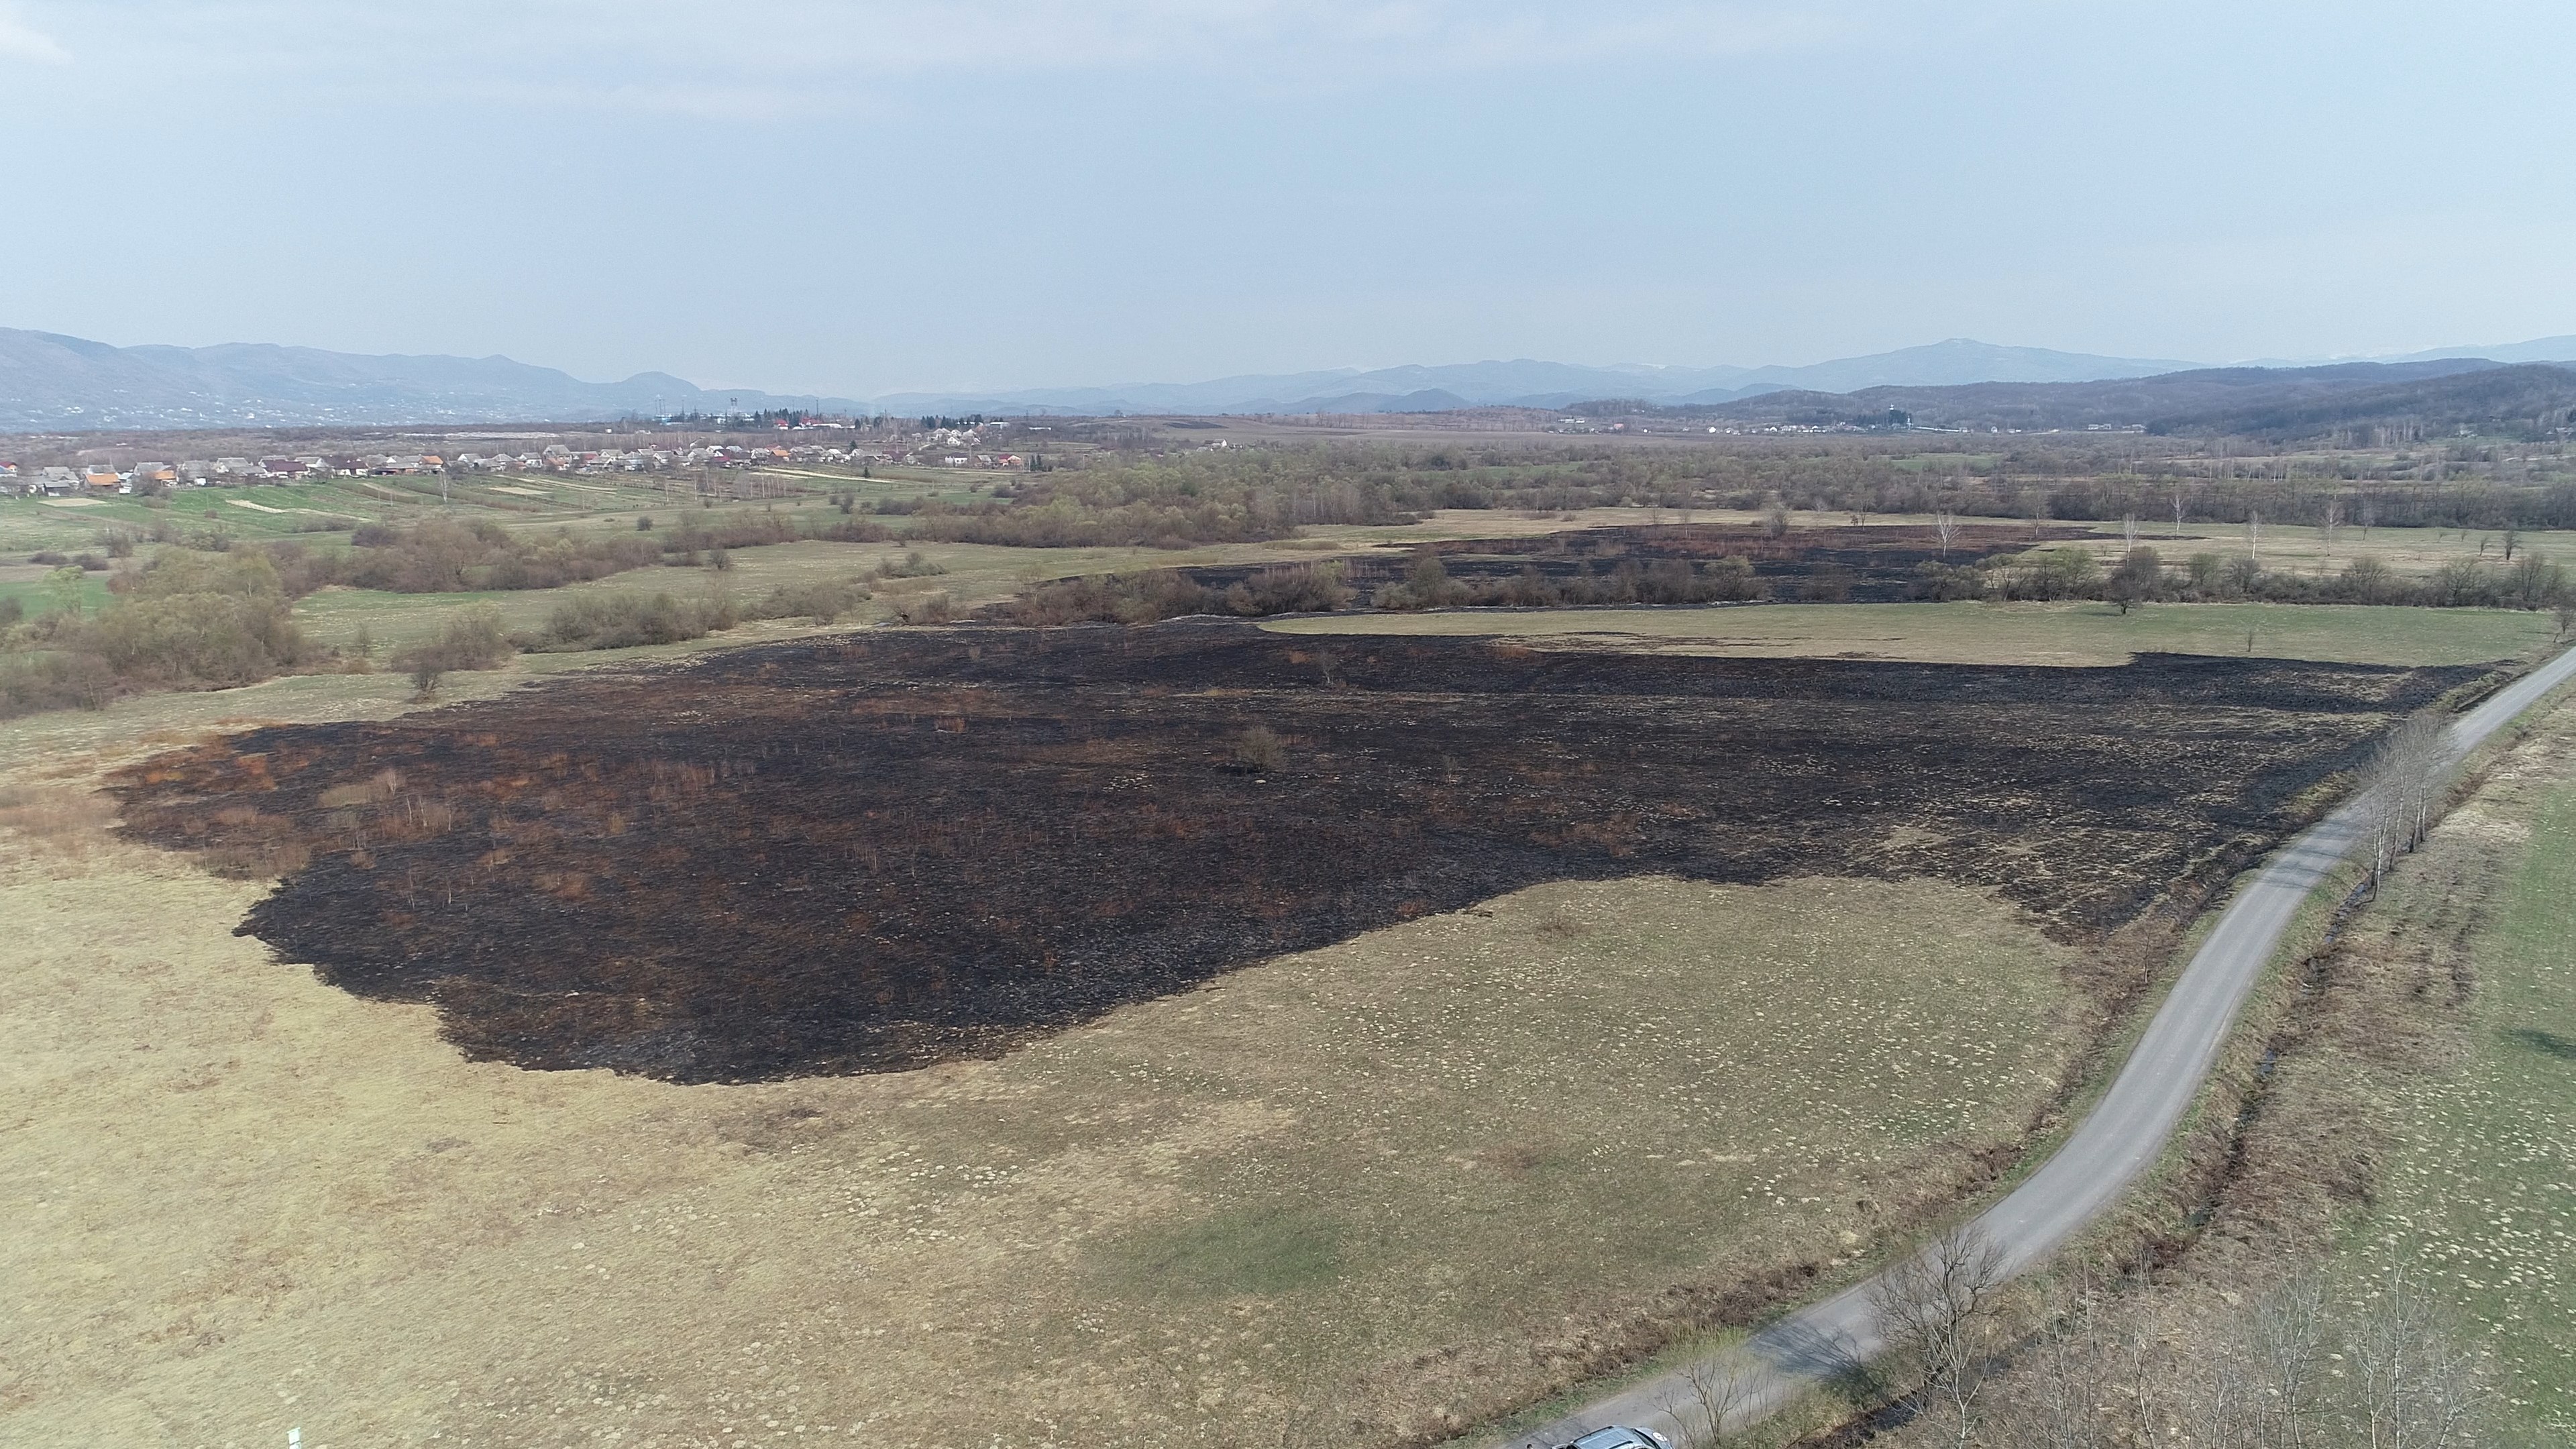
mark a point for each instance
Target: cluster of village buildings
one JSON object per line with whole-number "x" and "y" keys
{"x": 148, "y": 476}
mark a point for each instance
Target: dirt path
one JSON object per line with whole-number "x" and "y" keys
{"x": 2117, "y": 1143}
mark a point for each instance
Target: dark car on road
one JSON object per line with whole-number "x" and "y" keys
{"x": 1620, "y": 1436}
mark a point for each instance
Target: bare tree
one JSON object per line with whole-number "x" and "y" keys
{"x": 2284, "y": 1343}
{"x": 2333, "y": 521}
{"x": 2418, "y": 1385}
{"x": 1717, "y": 1391}
{"x": 1945, "y": 526}
{"x": 2067, "y": 1401}
{"x": 1937, "y": 1308}
{"x": 2129, "y": 534}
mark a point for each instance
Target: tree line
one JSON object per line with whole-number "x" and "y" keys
{"x": 2142, "y": 576}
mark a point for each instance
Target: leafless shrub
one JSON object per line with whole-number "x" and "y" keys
{"x": 473, "y": 639}
{"x": 1260, "y": 750}
{"x": 1715, "y": 1392}
{"x": 923, "y": 609}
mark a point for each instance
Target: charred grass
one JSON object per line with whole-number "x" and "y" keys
{"x": 894, "y": 849}
{"x": 1861, "y": 563}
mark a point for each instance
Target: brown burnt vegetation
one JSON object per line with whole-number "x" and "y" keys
{"x": 896, "y": 848}
{"x": 1627, "y": 565}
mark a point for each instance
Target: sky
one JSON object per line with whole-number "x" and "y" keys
{"x": 879, "y": 195}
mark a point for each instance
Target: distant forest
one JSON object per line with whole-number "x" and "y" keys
{"x": 1244, "y": 494}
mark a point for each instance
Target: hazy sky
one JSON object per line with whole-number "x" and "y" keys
{"x": 881, "y": 194}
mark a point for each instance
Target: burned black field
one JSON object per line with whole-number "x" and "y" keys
{"x": 883, "y": 851}
{"x": 1863, "y": 564}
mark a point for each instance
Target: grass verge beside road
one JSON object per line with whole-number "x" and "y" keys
{"x": 2478, "y": 1175}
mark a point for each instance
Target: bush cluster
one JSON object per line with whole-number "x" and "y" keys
{"x": 471, "y": 639}
{"x": 2530, "y": 582}
{"x": 1665, "y": 581}
{"x": 190, "y": 621}
{"x": 626, "y": 620}
{"x": 1142, "y": 598}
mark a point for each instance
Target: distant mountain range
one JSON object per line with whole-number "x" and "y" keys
{"x": 2424, "y": 399}
{"x": 50, "y": 382}
{"x": 1542, "y": 384}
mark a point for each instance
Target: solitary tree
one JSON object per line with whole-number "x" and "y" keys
{"x": 2139, "y": 578}
{"x": 1937, "y": 1309}
{"x": 1715, "y": 1393}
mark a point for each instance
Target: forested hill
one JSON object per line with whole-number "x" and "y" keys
{"x": 2281, "y": 404}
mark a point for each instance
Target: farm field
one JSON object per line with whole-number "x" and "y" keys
{"x": 883, "y": 850}
{"x": 322, "y": 511}
{"x": 2073, "y": 634}
{"x": 1157, "y": 1221}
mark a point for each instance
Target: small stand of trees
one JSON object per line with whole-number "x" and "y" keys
{"x": 2381, "y": 1365}
{"x": 2405, "y": 779}
{"x": 2299, "y": 1366}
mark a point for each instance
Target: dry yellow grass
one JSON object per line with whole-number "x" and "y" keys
{"x": 2075, "y": 635}
{"x": 1433, "y": 1168}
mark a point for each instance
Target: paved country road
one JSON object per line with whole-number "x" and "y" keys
{"x": 2123, "y": 1135}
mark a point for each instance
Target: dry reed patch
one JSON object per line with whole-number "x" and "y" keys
{"x": 64, "y": 820}
{"x": 1449, "y": 1164}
